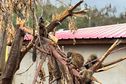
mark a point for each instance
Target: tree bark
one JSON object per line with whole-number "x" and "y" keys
{"x": 14, "y": 58}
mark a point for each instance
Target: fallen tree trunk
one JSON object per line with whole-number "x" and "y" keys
{"x": 14, "y": 58}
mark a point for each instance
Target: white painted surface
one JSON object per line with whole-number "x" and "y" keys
{"x": 27, "y": 77}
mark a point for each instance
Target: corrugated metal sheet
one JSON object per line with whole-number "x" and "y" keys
{"x": 109, "y": 31}
{"x": 28, "y": 37}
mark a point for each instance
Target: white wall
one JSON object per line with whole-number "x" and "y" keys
{"x": 27, "y": 77}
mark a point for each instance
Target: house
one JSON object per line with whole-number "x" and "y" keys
{"x": 87, "y": 41}
{"x": 96, "y": 40}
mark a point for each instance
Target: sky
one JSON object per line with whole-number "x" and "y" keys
{"x": 119, "y": 4}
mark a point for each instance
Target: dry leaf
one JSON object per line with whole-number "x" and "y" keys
{"x": 72, "y": 25}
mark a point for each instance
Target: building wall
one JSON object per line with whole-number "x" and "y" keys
{"x": 116, "y": 75}
{"x": 27, "y": 76}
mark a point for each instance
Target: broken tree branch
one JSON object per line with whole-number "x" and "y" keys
{"x": 27, "y": 30}
{"x": 25, "y": 70}
{"x": 66, "y": 13}
{"x": 49, "y": 28}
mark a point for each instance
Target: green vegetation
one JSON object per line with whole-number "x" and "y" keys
{"x": 94, "y": 17}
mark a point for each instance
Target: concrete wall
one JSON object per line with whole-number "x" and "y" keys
{"x": 28, "y": 76}
{"x": 116, "y": 75}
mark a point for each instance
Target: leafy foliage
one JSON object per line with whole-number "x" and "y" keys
{"x": 94, "y": 17}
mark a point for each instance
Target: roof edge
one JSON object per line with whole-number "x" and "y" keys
{"x": 88, "y": 41}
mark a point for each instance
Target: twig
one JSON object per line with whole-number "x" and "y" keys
{"x": 114, "y": 62}
{"x": 80, "y": 12}
{"x": 62, "y": 3}
{"x": 117, "y": 42}
{"x": 25, "y": 70}
{"x": 62, "y": 61}
{"x": 105, "y": 68}
{"x": 72, "y": 8}
{"x": 25, "y": 50}
{"x": 119, "y": 60}
{"x": 37, "y": 72}
{"x": 38, "y": 48}
{"x": 61, "y": 52}
{"x": 96, "y": 80}
{"x": 118, "y": 49}
{"x": 27, "y": 30}
{"x": 66, "y": 13}
{"x": 90, "y": 62}
{"x": 96, "y": 66}
{"x": 54, "y": 80}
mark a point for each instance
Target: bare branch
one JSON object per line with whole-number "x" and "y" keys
{"x": 96, "y": 66}
{"x": 105, "y": 68}
{"x": 116, "y": 50}
{"x": 25, "y": 70}
{"x": 65, "y": 14}
{"x": 41, "y": 50}
{"x": 37, "y": 72}
{"x": 62, "y": 61}
{"x": 27, "y": 30}
{"x": 114, "y": 62}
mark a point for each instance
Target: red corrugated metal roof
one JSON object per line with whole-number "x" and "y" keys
{"x": 28, "y": 37}
{"x": 109, "y": 31}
